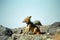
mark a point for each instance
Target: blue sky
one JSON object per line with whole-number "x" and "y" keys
{"x": 14, "y": 11}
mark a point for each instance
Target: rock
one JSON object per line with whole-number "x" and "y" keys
{"x": 18, "y": 30}
{"x": 15, "y": 36}
{"x": 56, "y": 24}
{"x": 5, "y": 31}
{"x": 8, "y": 32}
{"x": 30, "y": 37}
{"x": 53, "y": 28}
{"x": 4, "y": 37}
{"x": 1, "y": 30}
{"x": 49, "y": 39}
{"x": 26, "y": 37}
{"x": 37, "y": 23}
{"x": 43, "y": 29}
{"x": 52, "y": 33}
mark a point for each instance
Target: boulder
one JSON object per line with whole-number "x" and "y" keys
{"x": 43, "y": 29}
{"x": 4, "y": 37}
{"x": 53, "y": 28}
{"x": 5, "y": 31}
{"x": 37, "y": 23}
{"x": 56, "y": 24}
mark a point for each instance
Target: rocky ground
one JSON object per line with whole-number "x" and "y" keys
{"x": 52, "y": 32}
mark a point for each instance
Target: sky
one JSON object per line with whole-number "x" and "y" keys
{"x": 12, "y": 12}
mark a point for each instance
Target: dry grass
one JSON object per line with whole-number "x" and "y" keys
{"x": 56, "y": 36}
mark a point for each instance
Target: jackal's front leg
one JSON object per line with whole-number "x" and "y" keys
{"x": 26, "y": 30}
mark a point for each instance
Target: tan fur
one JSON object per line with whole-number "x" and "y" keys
{"x": 30, "y": 26}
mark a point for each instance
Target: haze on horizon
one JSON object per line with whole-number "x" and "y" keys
{"x": 14, "y": 11}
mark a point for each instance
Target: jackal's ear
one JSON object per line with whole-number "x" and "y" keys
{"x": 29, "y": 16}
